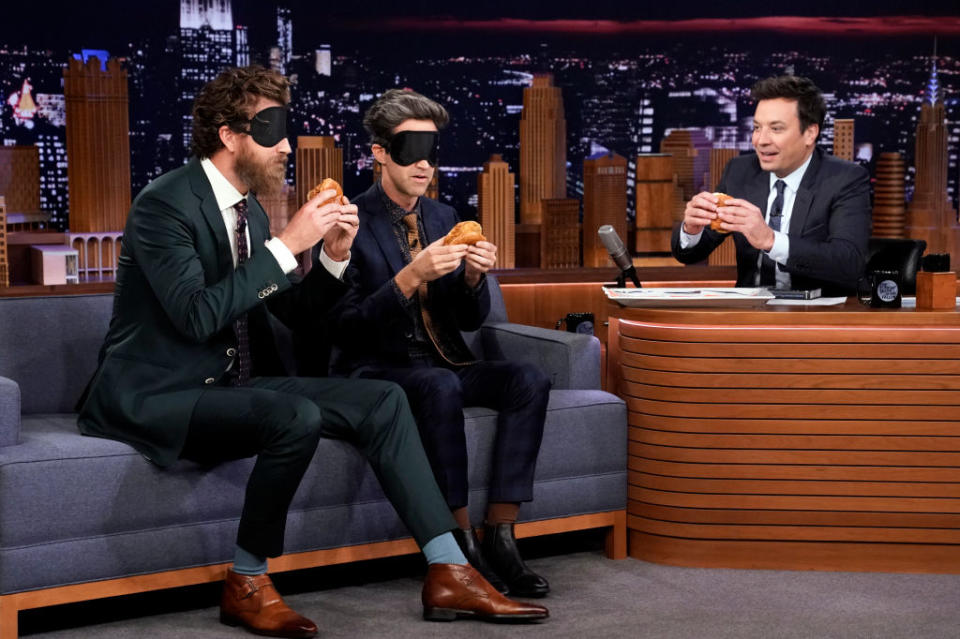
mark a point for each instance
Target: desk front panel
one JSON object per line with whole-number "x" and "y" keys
{"x": 804, "y": 443}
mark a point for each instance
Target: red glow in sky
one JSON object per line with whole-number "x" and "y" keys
{"x": 856, "y": 26}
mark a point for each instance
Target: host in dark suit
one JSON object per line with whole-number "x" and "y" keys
{"x": 410, "y": 297}
{"x": 189, "y": 369}
{"x": 800, "y": 218}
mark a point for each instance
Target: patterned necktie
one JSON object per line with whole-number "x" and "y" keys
{"x": 241, "y": 371}
{"x": 415, "y": 245}
{"x": 413, "y": 234}
{"x": 768, "y": 269}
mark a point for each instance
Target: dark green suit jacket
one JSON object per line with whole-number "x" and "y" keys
{"x": 176, "y": 297}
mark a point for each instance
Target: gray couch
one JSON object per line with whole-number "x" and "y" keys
{"x": 84, "y": 518}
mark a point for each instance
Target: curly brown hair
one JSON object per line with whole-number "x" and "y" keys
{"x": 228, "y": 100}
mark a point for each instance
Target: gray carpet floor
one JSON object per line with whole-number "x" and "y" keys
{"x": 592, "y": 597}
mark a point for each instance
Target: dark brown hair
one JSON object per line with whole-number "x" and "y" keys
{"x": 229, "y": 99}
{"x": 397, "y": 106}
{"x": 810, "y": 105}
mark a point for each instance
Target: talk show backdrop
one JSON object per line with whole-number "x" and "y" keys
{"x": 626, "y": 81}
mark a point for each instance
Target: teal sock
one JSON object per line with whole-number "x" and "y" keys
{"x": 444, "y": 549}
{"x": 246, "y": 563}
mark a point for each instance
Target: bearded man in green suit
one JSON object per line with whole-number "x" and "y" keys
{"x": 189, "y": 368}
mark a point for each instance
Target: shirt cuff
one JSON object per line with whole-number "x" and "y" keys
{"x": 284, "y": 257}
{"x": 333, "y": 267}
{"x": 781, "y": 248}
{"x": 687, "y": 240}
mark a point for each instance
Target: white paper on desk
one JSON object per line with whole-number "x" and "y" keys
{"x": 820, "y": 301}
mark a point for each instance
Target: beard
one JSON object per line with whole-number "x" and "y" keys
{"x": 263, "y": 177}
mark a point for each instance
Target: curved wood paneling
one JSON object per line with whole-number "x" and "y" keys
{"x": 774, "y": 437}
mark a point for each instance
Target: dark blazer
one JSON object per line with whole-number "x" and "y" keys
{"x": 829, "y": 225}
{"x": 371, "y": 326}
{"x": 177, "y": 295}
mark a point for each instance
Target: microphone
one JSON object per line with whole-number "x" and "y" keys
{"x": 618, "y": 253}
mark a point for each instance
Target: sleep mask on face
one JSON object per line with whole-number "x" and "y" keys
{"x": 408, "y": 147}
{"x": 268, "y": 127}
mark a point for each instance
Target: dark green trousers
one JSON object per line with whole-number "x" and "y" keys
{"x": 281, "y": 420}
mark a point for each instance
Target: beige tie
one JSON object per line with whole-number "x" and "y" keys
{"x": 413, "y": 241}
{"x": 413, "y": 234}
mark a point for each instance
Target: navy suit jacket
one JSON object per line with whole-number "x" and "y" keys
{"x": 176, "y": 297}
{"x": 371, "y": 326}
{"x": 829, "y": 226}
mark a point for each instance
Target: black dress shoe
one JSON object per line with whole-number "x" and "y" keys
{"x": 470, "y": 545}
{"x": 500, "y": 550}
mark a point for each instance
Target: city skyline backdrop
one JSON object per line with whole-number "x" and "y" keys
{"x": 626, "y": 82}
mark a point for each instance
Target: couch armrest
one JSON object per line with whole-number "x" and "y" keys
{"x": 570, "y": 360}
{"x": 9, "y": 412}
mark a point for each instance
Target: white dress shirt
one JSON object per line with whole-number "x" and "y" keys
{"x": 780, "y": 250}
{"x": 227, "y": 196}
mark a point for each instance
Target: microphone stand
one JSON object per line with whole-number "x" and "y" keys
{"x": 622, "y": 279}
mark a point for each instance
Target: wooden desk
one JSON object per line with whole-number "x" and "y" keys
{"x": 791, "y": 438}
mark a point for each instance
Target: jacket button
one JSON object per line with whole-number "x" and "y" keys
{"x": 261, "y": 295}
{"x": 209, "y": 380}
{"x": 408, "y": 335}
{"x": 274, "y": 287}
{"x": 231, "y": 352}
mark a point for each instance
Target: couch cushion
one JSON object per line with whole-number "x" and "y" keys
{"x": 50, "y": 347}
{"x": 63, "y": 495}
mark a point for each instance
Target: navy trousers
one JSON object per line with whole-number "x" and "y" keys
{"x": 437, "y": 395}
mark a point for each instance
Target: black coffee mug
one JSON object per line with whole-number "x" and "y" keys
{"x": 880, "y": 289}
{"x": 578, "y": 323}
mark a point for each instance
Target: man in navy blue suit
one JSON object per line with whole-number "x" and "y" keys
{"x": 410, "y": 297}
{"x": 800, "y": 218}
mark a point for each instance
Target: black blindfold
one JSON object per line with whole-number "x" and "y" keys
{"x": 268, "y": 127}
{"x": 408, "y": 147}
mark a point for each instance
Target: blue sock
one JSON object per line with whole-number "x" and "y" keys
{"x": 246, "y": 563}
{"x": 444, "y": 549}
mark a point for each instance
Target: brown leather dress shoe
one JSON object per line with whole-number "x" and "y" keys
{"x": 452, "y": 591}
{"x": 253, "y": 602}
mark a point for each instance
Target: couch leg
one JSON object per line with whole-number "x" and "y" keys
{"x": 616, "y": 542}
{"x": 8, "y": 617}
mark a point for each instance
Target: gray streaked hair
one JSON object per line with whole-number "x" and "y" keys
{"x": 397, "y": 106}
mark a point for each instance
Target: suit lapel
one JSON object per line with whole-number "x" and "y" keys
{"x": 432, "y": 222}
{"x": 379, "y": 221}
{"x": 211, "y": 213}
{"x": 255, "y": 222}
{"x": 801, "y": 204}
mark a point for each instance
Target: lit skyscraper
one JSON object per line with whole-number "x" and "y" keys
{"x": 604, "y": 202}
{"x": 843, "y": 138}
{"x": 931, "y": 214}
{"x": 206, "y": 48}
{"x": 98, "y": 145}
{"x": 243, "y": 46}
{"x": 889, "y": 208}
{"x": 543, "y": 147}
{"x": 323, "y": 64}
{"x": 317, "y": 158}
{"x": 496, "y": 206}
{"x": 560, "y": 234}
{"x": 54, "y": 183}
{"x": 284, "y": 37}
{"x": 655, "y": 188}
